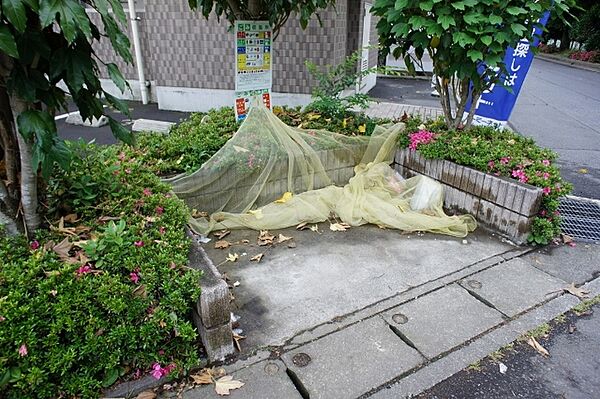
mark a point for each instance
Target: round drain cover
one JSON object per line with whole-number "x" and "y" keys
{"x": 271, "y": 369}
{"x": 301, "y": 359}
{"x": 399, "y": 318}
{"x": 474, "y": 284}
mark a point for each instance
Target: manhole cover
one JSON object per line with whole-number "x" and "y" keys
{"x": 399, "y": 318}
{"x": 301, "y": 359}
{"x": 474, "y": 284}
{"x": 580, "y": 218}
{"x": 271, "y": 369}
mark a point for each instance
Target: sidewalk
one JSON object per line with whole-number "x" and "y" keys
{"x": 376, "y": 313}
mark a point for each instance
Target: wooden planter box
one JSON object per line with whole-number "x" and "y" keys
{"x": 500, "y": 204}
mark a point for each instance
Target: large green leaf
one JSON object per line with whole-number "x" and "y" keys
{"x": 34, "y": 122}
{"x": 120, "y": 131}
{"x": 118, "y": 104}
{"x": 72, "y": 18}
{"x": 14, "y": 11}
{"x": 116, "y": 76}
{"x": 495, "y": 19}
{"x": 446, "y": 21}
{"x": 7, "y": 42}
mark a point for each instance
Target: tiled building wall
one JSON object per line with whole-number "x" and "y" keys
{"x": 356, "y": 13}
{"x": 182, "y": 49}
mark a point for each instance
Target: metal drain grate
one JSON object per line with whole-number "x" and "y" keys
{"x": 580, "y": 218}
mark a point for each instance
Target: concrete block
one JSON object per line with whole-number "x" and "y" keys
{"x": 532, "y": 200}
{"x": 465, "y": 181}
{"x": 470, "y": 204}
{"x": 349, "y": 363}
{"x": 264, "y": 380}
{"x": 527, "y": 285}
{"x": 449, "y": 172}
{"x": 442, "y": 320}
{"x": 518, "y": 199}
{"x": 150, "y": 125}
{"x": 217, "y": 341}
{"x": 213, "y": 305}
{"x": 510, "y": 193}
{"x": 76, "y": 119}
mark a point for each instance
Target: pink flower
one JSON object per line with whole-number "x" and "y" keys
{"x": 172, "y": 265}
{"x": 420, "y": 137}
{"x": 159, "y": 210}
{"x": 137, "y": 374}
{"x": 543, "y": 212}
{"x": 34, "y": 245}
{"x": 162, "y": 230}
{"x": 571, "y": 244}
{"x": 167, "y": 195}
{"x": 121, "y": 156}
{"x": 546, "y": 190}
{"x": 147, "y": 192}
{"x": 504, "y": 160}
{"x": 134, "y": 277}
{"x": 23, "y": 350}
{"x": 546, "y": 162}
{"x": 491, "y": 164}
{"x": 520, "y": 174}
{"x": 2, "y": 318}
{"x": 83, "y": 270}
{"x": 139, "y": 243}
{"x": 157, "y": 371}
{"x": 128, "y": 171}
{"x": 546, "y": 175}
{"x": 161, "y": 352}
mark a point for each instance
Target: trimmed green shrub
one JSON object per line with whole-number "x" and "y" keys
{"x": 499, "y": 152}
{"x": 103, "y": 294}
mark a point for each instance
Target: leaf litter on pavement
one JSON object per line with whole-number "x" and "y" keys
{"x": 222, "y": 382}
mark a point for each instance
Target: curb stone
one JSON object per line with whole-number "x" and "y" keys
{"x": 586, "y": 66}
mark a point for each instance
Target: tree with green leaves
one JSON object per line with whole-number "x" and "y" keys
{"x": 459, "y": 36}
{"x": 44, "y": 43}
{"x": 277, "y": 12}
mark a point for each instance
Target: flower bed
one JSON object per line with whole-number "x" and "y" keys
{"x": 499, "y": 153}
{"x": 103, "y": 294}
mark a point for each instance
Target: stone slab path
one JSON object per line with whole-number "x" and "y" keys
{"x": 395, "y": 110}
{"x": 479, "y": 297}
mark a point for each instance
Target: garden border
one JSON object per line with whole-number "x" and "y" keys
{"x": 503, "y": 205}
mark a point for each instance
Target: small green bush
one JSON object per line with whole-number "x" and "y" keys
{"x": 189, "y": 144}
{"x": 499, "y": 152}
{"x": 117, "y": 303}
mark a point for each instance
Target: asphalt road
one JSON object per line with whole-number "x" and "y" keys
{"x": 570, "y": 372}
{"x": 559, "y": 106}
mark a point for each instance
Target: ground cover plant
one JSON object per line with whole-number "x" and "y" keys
{"x": 499, "y": 152}
{"x": 105, "y": 292}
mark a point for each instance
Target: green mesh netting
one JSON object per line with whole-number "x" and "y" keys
{"x": 323, "y": 174}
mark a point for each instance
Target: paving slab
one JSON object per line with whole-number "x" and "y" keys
{"x": 442, "y": 320}
{"x": 264, "y": 380}
{"x": 572, "y": 264}
{"x": 353, "y": 361}
{"x": 514, "y": 286}
{"x": 329, "y": 274}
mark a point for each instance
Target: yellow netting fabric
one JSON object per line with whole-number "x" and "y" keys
{"x": 266, "y": 158}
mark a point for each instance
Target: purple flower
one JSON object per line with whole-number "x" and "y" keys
{"x": 23, "y": 350}
{"x": 134, "y": 277}
{"x": 139, "y": 243}
{"x": 83, "y": 270}
{"x": 35, "y": 244}
{"x": 546, "y": 162}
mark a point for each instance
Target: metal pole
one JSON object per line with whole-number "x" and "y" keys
{"x": 138, "y": 51}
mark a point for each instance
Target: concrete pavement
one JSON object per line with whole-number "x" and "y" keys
{"x": 373, "y": 313}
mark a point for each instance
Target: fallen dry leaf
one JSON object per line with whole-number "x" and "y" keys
{"x": 71, "y": 218}
{"x": 71, "y": 231}
{"x": 232, "y": 257}
{"x": 583, "y": 171}
{"x": 339, "y": 226}
{"x": 222, "y": 244}
{"x": 225, "y": 384}
{"x": 283, "y": 238}
{"x": 315, "y": 228}
{"x": 578, "y": 292}
{"x": 222, "y": 234}
{"x": 236, "y": 284}
{"x": 284, "y": 198}
{"x": 291, "y": 245}
{"x": 146, "y": 395}
{"x": 203, "y": 378}
{"x": 62, "y": 250}
{"x": 140, "y": 291}
{"x": 265, "y": 238}
{"x": 566, "y": 238}
{"x": 104, "y": 219}
{"x": 196, "y": 214}
{"x": 236, "y": 340}
{"x": 302, "y": 226}
{"x": 536, "y": 345}
{"x": 572, "y": 328}
{"x": 257, "y": 258}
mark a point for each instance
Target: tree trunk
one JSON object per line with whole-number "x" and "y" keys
{"x": 29, "y": 195}
{"x": 475, "y": 96}
{"x": 565, "y": 41}
{"x": 8, "y": 140}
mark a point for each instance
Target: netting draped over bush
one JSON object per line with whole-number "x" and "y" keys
{"x": 266, "y": 158}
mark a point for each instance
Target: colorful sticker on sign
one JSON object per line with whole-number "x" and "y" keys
{"x": 253, "y": 64}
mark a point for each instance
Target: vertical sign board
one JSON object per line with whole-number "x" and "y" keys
{"x": 253, "y": 73}
{"x": 496, "y": 104}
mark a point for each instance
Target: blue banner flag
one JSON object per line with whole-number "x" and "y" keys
{"x": 496, "y": 104}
